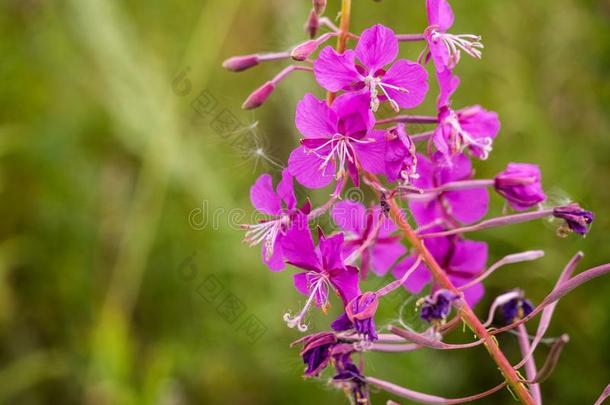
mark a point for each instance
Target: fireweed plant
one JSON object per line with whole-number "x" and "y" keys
{"x": 427, "y": 176}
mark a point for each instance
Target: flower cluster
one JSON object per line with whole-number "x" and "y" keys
{"x": 429, "y": 176}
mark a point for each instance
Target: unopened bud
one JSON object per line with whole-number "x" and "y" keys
{"x": 319, "y": 6}
{"x": 302, "y": 51}
{"x": 239, "y": 63}
{"x": 312, "y": 24}
{"x": 258, "y": 96}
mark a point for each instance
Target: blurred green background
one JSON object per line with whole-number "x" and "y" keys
{"x": 125, "y": 167}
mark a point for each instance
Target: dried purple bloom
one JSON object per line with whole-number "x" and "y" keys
{"x": 316, "y": 352}
{"x": 349, "y": 375}
{"x": 520, "y": 185}
{"x": 359, "y": 315}
{"x": 576, "y": 219}
{"x": 516, "y": 309}
{"x": 436, "y": 307}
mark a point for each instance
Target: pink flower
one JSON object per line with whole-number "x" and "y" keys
{"x": 400, "y": 158}
{"x": 472, "y": 128}
{"x": 404, "y": 84}
{"x": 337, "y": 140}
{"x": 324, "y": 267}
{"x": 281, "y": 205}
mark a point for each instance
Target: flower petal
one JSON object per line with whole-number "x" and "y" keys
{"x": 285, "y": 190}
{"x": 305, "y": 166}
{"x": 468, "y": 206}
{"x": 410, "y": 76}
{"x": 263, "y": 196}
{"x": 377, "y": 47}
{"x": 335, "y": 71}
{"x": 350, "y": 216}
{"x": 469, "y": 257}
{"x": 439, "y": 14}
{"x": 345, "y": 282}
{"x": 330, "y": 249}
{"x": 301, "y": 283}
{"x": 473, "y": 294}
{"x": 371, "y": 155}
{"x": 418, "y": 279}
{"x": 384, "y": 255}
{"x": 314, "y": 119}
{"x": 298, "y": 247}
{"x": 276, "y": 261}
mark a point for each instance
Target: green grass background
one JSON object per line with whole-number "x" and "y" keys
{"x": 101, "y": 165}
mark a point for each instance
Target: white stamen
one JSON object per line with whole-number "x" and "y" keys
{"x": 266, "y": 231}
{"x": 372, "y": 83}
{"x": 471, "y": 44}
{"x": 341, "y": 149}
{"x": 318, "y": 290}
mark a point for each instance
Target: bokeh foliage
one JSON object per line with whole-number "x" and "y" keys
{"x": 102, "y": 165}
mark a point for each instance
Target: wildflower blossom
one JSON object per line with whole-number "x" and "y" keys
{"x": 337, "y": 140}
{"x": 403, "y": 85}
{"x": 515, "y": 309}
{"x": 280, "y": 204}
{"x": 324, "y": 269}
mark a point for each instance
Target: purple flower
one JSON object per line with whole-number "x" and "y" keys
{"x": 404, "y": 84}
{"x": 280, "y": 204}
{"x": 436, "y": 307}
{"x": 400, "y": 158}
{"x": 576, "y": 219}
{"x": 349, "y": 375}
{"x": 520, "y": 185}
{"x": 336, "y": 140}
{"x": 445, "y": 47}
{"x": 472, "y": 128}
{"x": 370, "y": 232}
{"x": 465, "y": 206}
{"x": 316, "y": 352}
{"x": 515, "y": 309}
{"x": 462, "y": 260}
{"x": 324, "y": 269}
{"x": 359, "y": 315}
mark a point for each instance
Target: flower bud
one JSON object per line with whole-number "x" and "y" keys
{"x": 436, "y": 307}
{"x": 316, "y": 351}
{"x": 258, "y": 96}
{"x": 312, "y": 24}
{"x": 515, "y": 309}
{"x": 576, "y": 219}
{"x": 302, "y": 51}
{"x": 319, "y": 6}
{"x": 520, "y": 185}
{"x": 239, "y": 63}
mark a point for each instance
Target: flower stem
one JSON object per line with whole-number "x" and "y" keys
{"x": 466, "y": 313}
{"x": 346, "y": 10}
